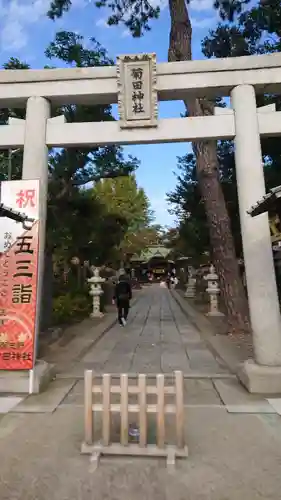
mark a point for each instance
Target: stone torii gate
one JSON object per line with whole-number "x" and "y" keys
{"x": 137, "y": 83}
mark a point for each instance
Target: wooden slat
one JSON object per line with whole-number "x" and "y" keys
{"x": 160, "y": 411}
{"x": 106, "y": 409}
{"x": 133, "y": 389}
{"x": 179, "y": 409}
{"x": 142, "y": 410}
{"x": 124, "y": 410}
{"x": 116, "y": 408}
{"x": 88, "y": 404}
{"x": 135, "y": 450}
{"x": 167, "y": 390}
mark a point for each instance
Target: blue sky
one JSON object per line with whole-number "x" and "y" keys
{"x": 25, "y": 32}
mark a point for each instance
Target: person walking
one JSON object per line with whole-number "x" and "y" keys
{"x": 168, "y": 281}
{"x": 122, "y": 297}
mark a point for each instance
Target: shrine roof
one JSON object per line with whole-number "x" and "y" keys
{"x": 267, "y": 203}
{"x": 151, "y": 252}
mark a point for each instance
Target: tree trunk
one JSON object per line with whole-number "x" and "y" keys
{"x": 207, "y": 167}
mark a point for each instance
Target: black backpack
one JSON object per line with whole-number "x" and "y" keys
{"x": 122, "y": 291}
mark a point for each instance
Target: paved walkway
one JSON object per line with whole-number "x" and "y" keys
{"x": 157, "y": 338}
{"x": 234, "y": 438}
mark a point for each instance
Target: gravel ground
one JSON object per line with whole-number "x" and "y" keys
{"x": 231, "y": 457}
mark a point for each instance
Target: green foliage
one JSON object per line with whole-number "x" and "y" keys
{"x": 228, "y": 9}
{"x": 255, "y": 31}
{"x": 58, "y": 7}
{"x": 77, "y": 223}
{"x": 134, "y": 242}
{"x": 123, "y": 196}
{"x": 134, "y": 14}
{"x": 70, "y": 307}
{"x": 15, "y": 63}
{"x": 193, "y": 237}
{"x": 122, "y": 199}
{"x": 69, "y": 47}
{"x": 137, "y": 15}
{"x": 260, "y": 21}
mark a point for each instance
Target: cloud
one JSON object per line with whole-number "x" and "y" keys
{"x": 80, "y": 3}
{"x": 13, "y": 36}
{"x": 159, "y": 3}
{"x": 125, "y": 33}
{"x": 204, "y": 23}
{"x": 201, "y": 5}
{"x": 16, "y": 17}
{"x": 102, "y": 23}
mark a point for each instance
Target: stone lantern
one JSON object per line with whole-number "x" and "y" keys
{"x": 191, "y": 284}
{"x": 96, "y": 291}
{"x": 213, "y": 290}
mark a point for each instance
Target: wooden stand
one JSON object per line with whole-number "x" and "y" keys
{"x": 142, "y": 409}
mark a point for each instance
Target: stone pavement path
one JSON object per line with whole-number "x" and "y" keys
{"x": 157, "y": 338}
{"x": 234, "y": 438}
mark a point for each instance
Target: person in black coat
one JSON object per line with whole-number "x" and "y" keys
{"x": 122, "y": 297}
{"x": 168, "y": 281}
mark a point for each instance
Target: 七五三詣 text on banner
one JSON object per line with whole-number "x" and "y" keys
{"x": 18, "y": 275}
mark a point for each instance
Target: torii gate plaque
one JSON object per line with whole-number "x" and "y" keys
{"x": 137, "y": 92}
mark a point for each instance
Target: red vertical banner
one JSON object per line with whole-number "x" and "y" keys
{"x": 18, "y": 276}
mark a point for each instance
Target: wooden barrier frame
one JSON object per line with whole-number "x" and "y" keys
{"x": 160, "y": 409}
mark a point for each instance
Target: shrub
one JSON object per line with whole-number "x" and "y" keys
{"x": 70, "y": 307}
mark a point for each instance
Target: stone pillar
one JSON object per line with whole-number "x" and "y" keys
{"x": 35, "y": 166}
{"x": 259, "y": 267}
